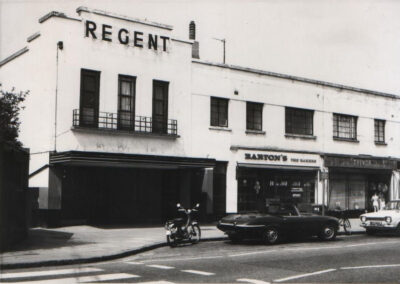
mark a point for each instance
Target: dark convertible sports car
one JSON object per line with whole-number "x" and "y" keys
{"x": 277, "y": 221}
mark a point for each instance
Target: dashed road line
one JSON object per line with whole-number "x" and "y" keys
{"x": 304, "y": 275}
{"x": 48, "y": 272}
{"x": 371, "y": 266}
{"x": 199, "y": 272}
{"x": 184, "y": 258}
{"x": 254, "y": 281}
{"x": 134, "y": 262}
{"x": 160, "y": 266}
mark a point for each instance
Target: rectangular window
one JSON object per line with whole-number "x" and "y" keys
{"x": 344, "y": 126}
{"x": 299, "y": 121}
{"x": 89, "y": 98}
{"x": 160, "y": 106}
{"x": 219, "y": 112}
{"x": 254, "y": 116}
{"x": 379, "y": 131}
{"x": 126, "y": 102}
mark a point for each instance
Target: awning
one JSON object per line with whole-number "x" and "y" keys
{"x": 80, "y": 158}
{"x": 283, "y": 167}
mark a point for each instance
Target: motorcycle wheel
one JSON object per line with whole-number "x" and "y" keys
{"x": 171, "y": 240}
{"x": 195, "y": 234}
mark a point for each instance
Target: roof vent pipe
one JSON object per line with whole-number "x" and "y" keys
{"x": 192, "y": 30}
{"x": 192, "y": 36}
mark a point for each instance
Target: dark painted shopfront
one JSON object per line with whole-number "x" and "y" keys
{"x": 105, "y": 188}
{"x": 266, "y": 177}
{"x": 354, "y": 180}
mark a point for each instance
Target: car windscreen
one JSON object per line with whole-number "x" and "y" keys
{"x": 392, "y": 205}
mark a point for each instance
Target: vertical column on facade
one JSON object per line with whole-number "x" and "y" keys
{"x": 207, "y": 189}
{"x": 231, "y": 188}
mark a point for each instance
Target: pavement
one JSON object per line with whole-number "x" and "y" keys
{"x": 84, "y": 244}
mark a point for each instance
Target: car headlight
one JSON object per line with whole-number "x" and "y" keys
{"x": 363, "y": 219}
{"x": 388, "y": 220}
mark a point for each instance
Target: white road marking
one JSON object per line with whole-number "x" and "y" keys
{"x": 252, "y": 252}
{"x": 48, "y": 272}
{"x": 304, "y": 275}
{"x": 184, "y": 259}
{"x": 371, "y": 266}
{"x": 254, "y": 281}
{"x": 199, "y": 272}
{"x": 156, "y": 282}
{"x": 160, "y": 266}
{"x": 133, "y": 262}
{"x": 95, "y": 278}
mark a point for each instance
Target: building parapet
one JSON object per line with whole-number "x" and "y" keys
{"x": 296, "y": 78}
{"x": 13, "y": 56}
{"x": 81, "y": 9}
{"x": 33, "y": 37}
{"x": 58, "y": 15}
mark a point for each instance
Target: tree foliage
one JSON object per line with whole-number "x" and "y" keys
{"x": 10, "y": 107}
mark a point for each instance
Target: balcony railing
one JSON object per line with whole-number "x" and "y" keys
{"x": 125, "y": 122}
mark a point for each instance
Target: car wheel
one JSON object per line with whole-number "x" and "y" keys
{"x": 271, "y": 235}
{"x": 328, "y": 233}
{"x": 235, "y": 238}
{"x": 370, "y": 232}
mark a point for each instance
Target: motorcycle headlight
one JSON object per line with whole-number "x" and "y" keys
{"x": 388, "y": 220}
{"x": 363, "y": 219}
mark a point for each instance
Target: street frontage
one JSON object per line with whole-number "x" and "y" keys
{"x": 348, "y": 259}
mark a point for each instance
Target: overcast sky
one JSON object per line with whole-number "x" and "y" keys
{"x": 351, "y": 42}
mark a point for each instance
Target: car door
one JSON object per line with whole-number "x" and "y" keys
{"x": 293, "y": 223}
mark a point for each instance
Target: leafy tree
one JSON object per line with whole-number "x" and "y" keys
{"x": 10, "y": 106}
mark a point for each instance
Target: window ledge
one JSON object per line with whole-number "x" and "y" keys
{"x": 301, "y": 136}
{"x": 220, "y": 128}
{"x": 346, "y": 140}
{"x": 256, "y": 132}
{"x": 378, "y": 143}
{"x": 123, "y": 132}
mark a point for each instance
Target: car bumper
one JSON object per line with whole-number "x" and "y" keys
{"x": 381, "y": 226}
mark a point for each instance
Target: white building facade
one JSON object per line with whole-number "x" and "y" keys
{"x": 123, "y": 123}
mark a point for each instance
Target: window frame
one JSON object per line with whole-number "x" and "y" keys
{"x": 336, "y": 130}
{"x": 289, "y": 127}
{"x": 251, "y": 109}
{"x": 132, "y": 97}
{"x": 96, "y": 97}
{"x": 219, "y": 102}
{"x": 163, "y": 129}
{"x": 379, "y": 134}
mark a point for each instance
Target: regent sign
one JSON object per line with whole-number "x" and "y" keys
{"x": 278, "y": 158}
{"x": 132, "y": 38}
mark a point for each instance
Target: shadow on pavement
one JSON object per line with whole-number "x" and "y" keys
{"x": 45, "y": 239}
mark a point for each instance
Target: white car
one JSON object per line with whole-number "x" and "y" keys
{"x": 387, "y": 219}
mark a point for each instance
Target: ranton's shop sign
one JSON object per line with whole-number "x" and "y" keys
{"x": 279, "y": 158}
{"x": 123, "y": 36}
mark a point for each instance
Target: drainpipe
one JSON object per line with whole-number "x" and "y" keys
{"x": 60, "y": 46}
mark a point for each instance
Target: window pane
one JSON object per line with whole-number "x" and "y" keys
{"x": 126, "y": 88}
{"x": 219, "y": 112}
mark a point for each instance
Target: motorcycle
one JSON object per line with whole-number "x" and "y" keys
{"x": 181, "y": 230}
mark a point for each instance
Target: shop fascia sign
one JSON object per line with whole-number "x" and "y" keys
{"x": 130, "y": 38}
{"x": 280, "y": 158}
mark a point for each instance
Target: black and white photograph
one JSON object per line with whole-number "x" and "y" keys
{"x": 190, "y": 141}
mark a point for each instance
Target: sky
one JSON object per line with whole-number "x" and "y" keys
{"x": 349, "y": 42}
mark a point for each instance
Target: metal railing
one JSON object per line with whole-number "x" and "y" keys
{"x": 124, "y": 122}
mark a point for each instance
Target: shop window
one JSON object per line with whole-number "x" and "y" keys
{"x": 299, "y": 121}
{"x": 219, "y": 112}
{"x": 160, "y": 106}
{"x": 344, "y": 126}
{"x": 89, "y": 98}
{"x": 126, "y": 102}
{"x": 379, "y": 131}
{"x": 254, "y": 116}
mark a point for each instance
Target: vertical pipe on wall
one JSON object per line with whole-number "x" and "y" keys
{"x": 60, "y": 46}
